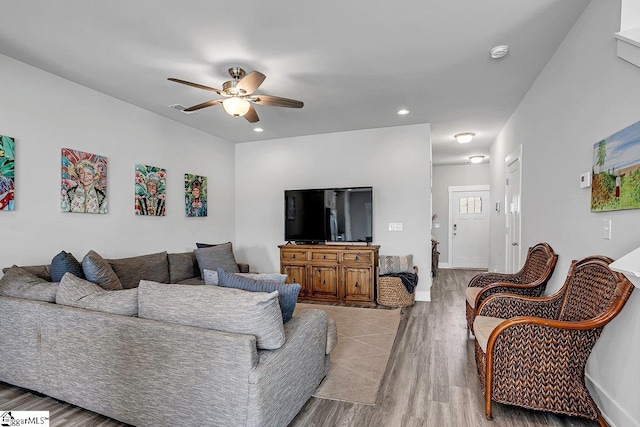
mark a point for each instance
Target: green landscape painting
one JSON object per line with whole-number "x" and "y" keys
{"x": 616, "y": 171}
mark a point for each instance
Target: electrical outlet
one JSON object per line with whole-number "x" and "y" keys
{"x": 395, "y": 226}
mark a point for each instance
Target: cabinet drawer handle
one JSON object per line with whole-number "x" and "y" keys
{"x": 294, "y": 256}
{"x": 357, "y": 285}
{"x": 324, "y": 282}
{"x": 324, "y": 257}
{"x": 357, "y": 257}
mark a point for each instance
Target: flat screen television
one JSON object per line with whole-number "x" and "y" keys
{"x": 329, "y": 215}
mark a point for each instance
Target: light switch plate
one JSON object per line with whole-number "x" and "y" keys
{"x": 585, "y": 180}
{"x": 606, "y": 229}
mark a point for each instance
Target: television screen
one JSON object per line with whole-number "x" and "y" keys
{"x": 329, "y": 215}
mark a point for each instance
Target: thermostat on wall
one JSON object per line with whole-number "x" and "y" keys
{"x": 585, "y": 180}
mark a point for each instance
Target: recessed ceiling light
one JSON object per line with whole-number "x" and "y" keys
{"x": 464, "y": 137}
{"x": 258, "y": 129}
{"x": 476, "y": 159}
{"x": 403, "y": 112}
{"x": 499, "y": 51}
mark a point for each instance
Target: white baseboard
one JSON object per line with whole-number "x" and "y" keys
{"x": 423, "y": 295}
{"x": 444, "y": 265}
{"x": 610, "y": 408}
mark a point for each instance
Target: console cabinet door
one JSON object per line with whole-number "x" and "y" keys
{"x": 324, "y": 282}
{"x": 357, "y": 283}
{"x": 297, "y": 274}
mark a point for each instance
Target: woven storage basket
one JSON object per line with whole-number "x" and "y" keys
{"x": 392, "y": 293}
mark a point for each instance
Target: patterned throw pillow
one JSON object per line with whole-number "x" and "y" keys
{"x": 76, "y": 292}
{"x": 287, "y": 294}
{"x": 396, "y": 264}
{"x": 63, "y": 263}
{"x": 214, "y": 257}
{"x": 210, "y": 277}
{"x": 97, "y": 270}
{"x": 20, "y": 283}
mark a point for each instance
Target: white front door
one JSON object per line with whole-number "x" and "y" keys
{"x": 469, "y": 226}
{"x": 513, "y": 211}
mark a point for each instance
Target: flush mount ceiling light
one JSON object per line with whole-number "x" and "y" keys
{"x": 476, "y": 159}
{"x": 258, "y": 129}
{"x": 499, "y": 51}
{"x": 403, "y": 112}
{"x": 464, "y": 137}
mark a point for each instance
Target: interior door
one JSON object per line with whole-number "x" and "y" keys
{"x": 513, "y": 212}
{"x": 470, "y": 229}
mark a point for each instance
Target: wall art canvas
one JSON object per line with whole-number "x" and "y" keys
{"x": 7, "y": 173}
{"x": 616, "y": 171}
{"x": 84, "y": 182}
{"x": 195, "y": 195}
{"x": 150, "y": 190}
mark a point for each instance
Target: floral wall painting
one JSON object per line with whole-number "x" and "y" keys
{"x": 195, "y": 195}
{"x": 84, "y": 182}
{"x": 616, "y": 171}
{"x": 150, "y": 195}
{"x": 7, "y": 173}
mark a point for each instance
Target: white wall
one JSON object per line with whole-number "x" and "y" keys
{"x": 45, "y": 113}
{"x": 443, "y": 178}
{"x": 584, "y": 94}
{"x": 395, "y": 161}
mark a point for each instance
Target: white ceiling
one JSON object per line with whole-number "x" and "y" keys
{"x": 353, "y": 63}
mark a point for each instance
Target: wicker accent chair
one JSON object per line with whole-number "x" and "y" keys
{"x": 537, "y": 360}
{"x": 531, "y": 280}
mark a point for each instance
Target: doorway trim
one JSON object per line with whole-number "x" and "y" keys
{"x": 452, "y": 189}
{"x": 515, "y": 156}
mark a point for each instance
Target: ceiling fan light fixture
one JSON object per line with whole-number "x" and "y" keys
{"x": 464, "y": 137}
{"x": 476, "y": 159}
{"x": 236, "y": 106}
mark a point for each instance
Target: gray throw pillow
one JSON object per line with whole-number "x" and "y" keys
{"x": 212, "y": 307}
{"x": 210, "y": 277}
{"x": 215, "y": 257}
{"x": 131, "y": 270}
{"x": 287, "y": 294}
{"x": 63, "y": 263}
{"x": 20, "y": 283}
{"x": 396, "y": 264}
{"x": 76, "y": 292}
{"x": 97, "y": 270}
{"x": 182, "y": 266}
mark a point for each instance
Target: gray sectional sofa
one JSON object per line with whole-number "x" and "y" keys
{"x": 191, "y": 355}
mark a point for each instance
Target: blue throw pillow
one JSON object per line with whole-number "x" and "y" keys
{"x": 288, "y": 294}
{"x": 63, "y": 263}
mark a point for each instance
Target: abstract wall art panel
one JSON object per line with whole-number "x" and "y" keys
{"x": 151, "y": 183}
{"x": 616, "y": 171}
{"x": 7, "y": 173}
{"x": 84, "y": 182}
{"x": 195, "y": 195}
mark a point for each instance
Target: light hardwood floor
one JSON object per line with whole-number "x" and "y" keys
{"x": 430, "y": 379}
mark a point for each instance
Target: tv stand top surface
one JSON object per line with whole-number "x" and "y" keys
{"x": 341, "y": 246}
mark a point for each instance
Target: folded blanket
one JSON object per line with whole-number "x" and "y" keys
{"x": 409, "y": 280}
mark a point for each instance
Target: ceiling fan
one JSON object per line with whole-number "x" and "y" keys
{"x": 238, "y": 95}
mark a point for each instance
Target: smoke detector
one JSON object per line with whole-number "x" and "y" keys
{"x": 499, "y": 51}
{"x": 181, "y": 108}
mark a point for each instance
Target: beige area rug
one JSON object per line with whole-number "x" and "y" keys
{"x": 358, "y": 362}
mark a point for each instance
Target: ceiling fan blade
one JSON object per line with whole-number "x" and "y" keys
{"x": 252, "y": 115}
{"x": 276, "y": 101}
{"x": 204, "y": 105}
{"x": 251, "y": 82}
{"x": 199, "y": 86}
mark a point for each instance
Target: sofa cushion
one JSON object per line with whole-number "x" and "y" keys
{"x": 182, "y": 266}
{"x": 482, "y": 328}
{"x": 41, "y": 271}
{"x": 214, "y": 257}
{"x": 18, "y": 282}
{"x": 65, "y": 262}
{"x": 76, "y": 292}
{"x": 471, "y": 293}
{"x": 213, "y": 307}
{"x": 395, "y": 264}
{"x": 131, "y": 270}
{"x": 287, "y": 293}
{"x": 97, "y": 270}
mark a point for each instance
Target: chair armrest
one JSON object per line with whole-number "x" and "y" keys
{"x": 483, "y": 279}
{"x": 506, "y": 306}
